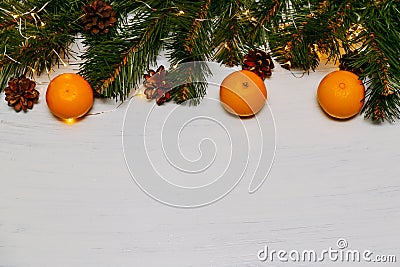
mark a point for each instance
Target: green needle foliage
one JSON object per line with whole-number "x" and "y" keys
{"x": 35, "y": 36}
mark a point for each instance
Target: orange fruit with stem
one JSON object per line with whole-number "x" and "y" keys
{"x": 341, "y": 94}
{"x": 69, "y": 96}
{"x": 243, "y": 93}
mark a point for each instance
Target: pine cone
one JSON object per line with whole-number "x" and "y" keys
{"x": 346, "y": 61}
{"x": 183, "y": 94}
{"x": 259, "y": 62}
{"x": 164, "y": 98}
{"x": 99, "y": 17}
{"x": 21, "y": 94}
{"x": 157, "y": 86}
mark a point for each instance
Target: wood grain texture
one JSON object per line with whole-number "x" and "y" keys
{"x": 67, "y": 197}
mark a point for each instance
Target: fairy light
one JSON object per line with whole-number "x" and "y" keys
{"x": 62, "y": 61}
{"x": 33, "y": 15}
{"x": 37, "y": 19}
{"x": 14, "y": 60}
{"x": 20, "y": 29}
{"x": 69, "y": 121}
{"x": 18, "y": 18}
{"x": 147, "y": 5}
{"x": 6, "y": 55}
{"x": 32, "y": 69}
{"x": 43, "y": 7}
{"x": 140, "y": 93}
{"x": 15, "y": 16}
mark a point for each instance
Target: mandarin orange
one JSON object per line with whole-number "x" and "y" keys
{"x": 243, "y": 93}
{"x": 69, "y": 96}
{"x": 341, "y": 94}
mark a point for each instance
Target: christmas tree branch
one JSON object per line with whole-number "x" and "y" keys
{"x": 305, "y": 32}
{"x": 114, "y": 66}
{"x": 230, "y": 33}
{"x": 379, "y": 53}
{"x": 35, "y": 36}
{"x": 189, "y": 47}
{"x": 263, "y": 16}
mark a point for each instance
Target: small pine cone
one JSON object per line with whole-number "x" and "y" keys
{"x": 183, "y": 94}
{"x": 259, "y": 62}
{"x": 99, "y": 17}
{"x": 164, "y": 98}
{"x": 156, "y": 84}
{"x": 347, "y": 59}
{"x": 21, "y": 94}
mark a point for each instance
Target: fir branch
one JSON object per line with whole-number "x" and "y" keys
{"x": 304, "y": 32}
{"x": 189, "y": 46}
{"x": 380, "y": 54}
{"x": 115, "y": 66}
{"x": 263, "y": 15}
{"x": 36, "y": 36}
{"x": 229, "y": 38}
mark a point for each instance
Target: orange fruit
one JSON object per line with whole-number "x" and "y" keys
{"x": 69, "y": 96}
{"x": 341, "y": 94}
{"x": 243, "y": 93}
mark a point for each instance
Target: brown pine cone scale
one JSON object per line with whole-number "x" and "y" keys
{"x": 21, "y": 94}
{"x": 157, "y": 86}
{"x": 99, "y": 17}
{"x": 259, "y": 62}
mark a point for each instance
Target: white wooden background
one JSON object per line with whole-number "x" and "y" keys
{"x": 68, "y": 199}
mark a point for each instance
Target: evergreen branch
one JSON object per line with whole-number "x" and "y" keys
{"x": 115, "y": 66}
{"x": 230, "y": 34}
{"x": 35, "y": 36}
{"x": 306, "y": 31}
{"x": 380, "y": 54}
{"x": 263, "y": 15}
{"x": 189, "y": 47}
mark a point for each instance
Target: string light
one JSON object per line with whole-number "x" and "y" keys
{"x": 5, "y": 54}
{"x": 32, "y": 69}
{"x": 139, "y": 93}
{"x": 69, "y": 121}
{"x": 47, "y": 70}
{"x": 62, "y": 61}
{"x": 44, "y": 6}
{"x": 154, "y": 9}
{"x": 18, "y": 20}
